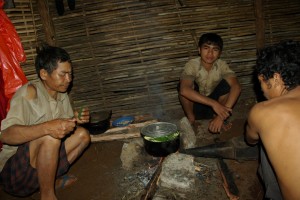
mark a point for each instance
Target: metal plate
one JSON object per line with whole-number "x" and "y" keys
{"x": 123, "y": 121}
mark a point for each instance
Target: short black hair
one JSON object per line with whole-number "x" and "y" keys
{"x": 282, "y": 58}
{"x": 48, "y": 57}
{"x": 211, "y": 38}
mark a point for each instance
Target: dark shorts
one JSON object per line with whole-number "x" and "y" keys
{"x": 19, "y": 178}
{"x": 266, "y": 172}
{"x": 202, "y": 111}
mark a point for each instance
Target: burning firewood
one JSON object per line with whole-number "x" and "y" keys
{"x": 152, "y": 185}
{"x": 228, "y": 182}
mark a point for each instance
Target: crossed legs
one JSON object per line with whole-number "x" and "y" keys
{"x": 188, "y": 106}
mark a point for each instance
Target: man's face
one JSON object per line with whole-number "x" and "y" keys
{"x": 60, "y": 79}
{"x": 209, "y": 53}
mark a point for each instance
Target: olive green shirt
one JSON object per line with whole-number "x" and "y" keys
{"x": 30, "y": 112}
{"x": 206, "y": 80}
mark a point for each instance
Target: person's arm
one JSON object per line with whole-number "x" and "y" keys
{"x": 19, "y": 134}
{"x": 235, "y": 91}
{"x": 16, "y": 132}
{"x": 252, "y": 134}
{"x": 187, "y": 91}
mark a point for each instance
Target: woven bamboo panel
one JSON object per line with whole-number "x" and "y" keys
{"x": 136, "y": 50}
{"x": 282, "y": 20}
{"x": 128, "y": 55}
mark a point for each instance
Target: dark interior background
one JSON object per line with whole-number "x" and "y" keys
{"x": 128, "y": 54}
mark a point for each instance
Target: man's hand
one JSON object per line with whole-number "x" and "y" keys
{"x": 82, "y": 116}
{"x": 59, "y": 128}
{"x": 215, "y": 125}
{"x": 222, "y": 111}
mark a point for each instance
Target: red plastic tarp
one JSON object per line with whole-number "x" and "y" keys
{"x": 11, "y": 54}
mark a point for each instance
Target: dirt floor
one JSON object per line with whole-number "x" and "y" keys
{"x": 101, "y": 177}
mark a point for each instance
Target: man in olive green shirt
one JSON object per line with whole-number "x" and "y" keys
{"x": 40, "y": 133}
{"x": 218, "y": 87}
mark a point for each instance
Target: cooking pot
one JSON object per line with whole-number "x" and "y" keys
{"x": 160, "y": 138}
{"x": 99, "y": 122}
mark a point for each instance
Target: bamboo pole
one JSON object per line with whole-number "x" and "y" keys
{"x": 260, "y": 24}
{"x": 47, "y": 22}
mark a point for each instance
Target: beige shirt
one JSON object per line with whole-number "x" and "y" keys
{"x": 30, "y": 112}
{"x": 207, "y": 81}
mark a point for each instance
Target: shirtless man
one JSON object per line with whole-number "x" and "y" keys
{"x": 276, "y": 122}
{"x": 40, "y": 132}
{"x": 218, "y": 87}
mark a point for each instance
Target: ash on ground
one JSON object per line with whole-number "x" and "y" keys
{"x": 181, "y": 177}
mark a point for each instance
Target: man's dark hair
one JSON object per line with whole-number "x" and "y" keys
{"x": 211, "y": 38}
{"x": 48, "y": 57}
{"x": 282, "y": 58}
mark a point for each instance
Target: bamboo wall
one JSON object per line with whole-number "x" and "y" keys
{"x": 128, "y": 55}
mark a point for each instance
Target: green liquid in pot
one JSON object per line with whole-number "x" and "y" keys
{"x": 163, "y": 138}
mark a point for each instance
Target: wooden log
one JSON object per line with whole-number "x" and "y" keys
{"x": 131, "y": 126}
{"x": 152, "y": 185}
{"x": 121, "y": 136}
{"x": 120, "y": 133}
{"x": 228, "y": 181}
{"x": 260, "y": 24}
{"x": 47, "y": 22}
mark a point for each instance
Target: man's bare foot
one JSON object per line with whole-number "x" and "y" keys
{"x": 65, "y": 181}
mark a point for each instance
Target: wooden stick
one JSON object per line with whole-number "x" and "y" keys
{"x": 151, "y": 187}
{"x": 228, "y": 185}
{"x": 137, "y": 125}
{"x": 47, "y": 22}
{"x": 119, "y": 133}
{"x": 113, "y": 137}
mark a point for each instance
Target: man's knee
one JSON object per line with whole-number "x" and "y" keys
{"x": 223, "y": 99}
{"x": 83, "y": 134}
{"x": 45, "y": 142}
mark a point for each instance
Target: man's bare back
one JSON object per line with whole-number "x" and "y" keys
{"x": 276, "y": 121}
{"x": 279, "y": 130}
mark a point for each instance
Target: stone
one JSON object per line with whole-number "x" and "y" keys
{"x": 178, "y": 172}
{"x": 131, "y": 153}
{"x": 203, "y": 136}
{"x": 187, "y": 134}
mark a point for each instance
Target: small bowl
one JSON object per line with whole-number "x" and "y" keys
{"x": 123, "y": 121}
{"x": 99, "y": 122}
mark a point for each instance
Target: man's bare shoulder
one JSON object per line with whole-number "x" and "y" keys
{"x": 268, "y": 106}
{"x": 289, "y": 101}
{"x": 260, "y": 112}
{"x": 281, "y": 109}
{"x": 259, "y": 108}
